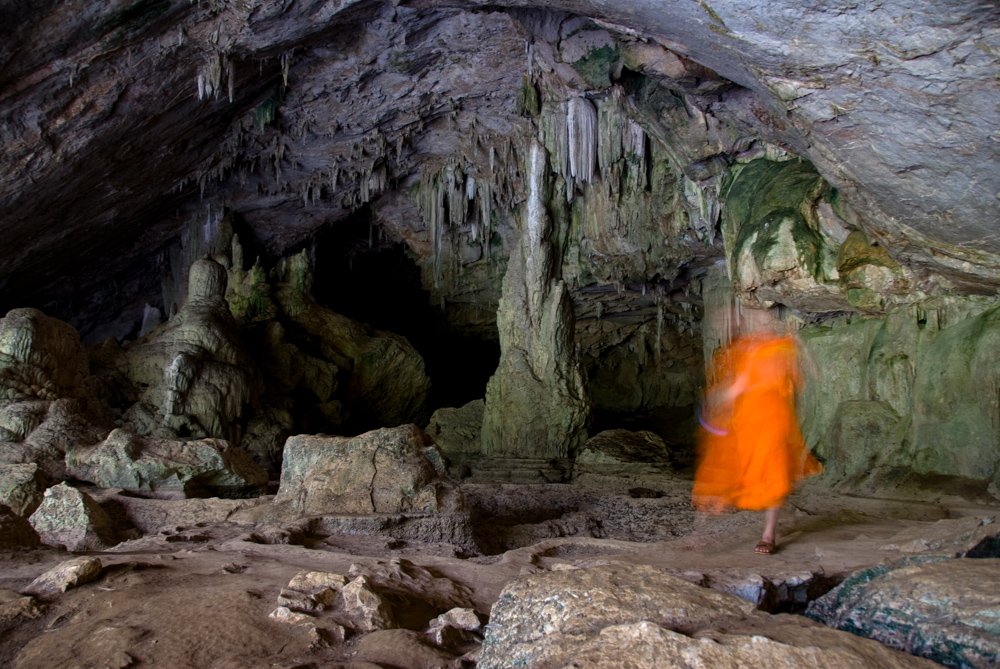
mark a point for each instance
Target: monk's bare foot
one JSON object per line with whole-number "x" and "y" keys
{"x": 764, "y": 547}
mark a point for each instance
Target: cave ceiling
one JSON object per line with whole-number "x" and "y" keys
{"x": 124, "y": 121}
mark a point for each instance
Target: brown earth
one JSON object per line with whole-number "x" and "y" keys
{"x": 197, "y": 592}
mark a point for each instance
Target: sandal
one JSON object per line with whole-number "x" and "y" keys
{"x": 764, "y": 547}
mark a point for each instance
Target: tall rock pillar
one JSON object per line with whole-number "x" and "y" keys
{"x": 537, "y": 405}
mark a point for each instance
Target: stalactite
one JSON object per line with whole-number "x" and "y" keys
{"x": 286, "y": 59}
{"x": 209, "y": 79}
{"x": 634, "y": 146}
{"x": 659, "y": 331}
{"x": 581, "y": 124}
{"x": 373, "y": 182}
{"x": 151, "y": 317}
{"x": 610, "y": 141}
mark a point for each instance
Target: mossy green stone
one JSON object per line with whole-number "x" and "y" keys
{"x": 598, "y": 65}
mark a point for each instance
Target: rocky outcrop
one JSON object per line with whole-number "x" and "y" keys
{"x": 623, "y": 454}
{"x": 902, "y": 396}
{"x": 639, "y": 617}
{"x": 383, "y": 471}
{"x": 45, "y": 406}
{"x": 71, "y": 518}
{"x": 196, "y": 378}
{"x": 384, "y": 379}
{"x": 383, "y": 596}
{"x": 941, "y": 609}
{"x": 41, "y": 432}
{"x": 40, "y": 357}
{"x": 199, "y": 467}
{"x": 456, "y": 430}
{"x": 536, "y": 402}
{"x": 22, "y": 487}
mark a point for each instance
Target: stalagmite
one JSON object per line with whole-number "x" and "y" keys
{"x": 536, "y": 403}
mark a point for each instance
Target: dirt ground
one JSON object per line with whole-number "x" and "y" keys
{"x": 197, "y": 592}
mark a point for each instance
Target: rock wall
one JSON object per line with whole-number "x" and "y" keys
{"x": 913, "y": 392}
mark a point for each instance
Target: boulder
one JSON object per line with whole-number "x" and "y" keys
{"x": 41, "y": 432}
{"x": 198, "y": 468}
{"x": 637, "y": 616}
{"x": 456, "y": 430}
{"x": 15, "y": 609}
{"x": 311, "y": 591}
{"x": 455, "y": 628}
{"x": 66, "y": 575}
{"x": 71, "y": 518}
{"x": 367, "y": 609}
{"x": 947, "y": 610}
{"x": 382, "y": 471}
{"x": 22, "y": 487}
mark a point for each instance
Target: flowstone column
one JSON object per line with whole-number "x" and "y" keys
{"x": 537, "y": 405}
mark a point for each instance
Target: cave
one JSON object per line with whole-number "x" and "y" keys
{"x": 407, "y": 333}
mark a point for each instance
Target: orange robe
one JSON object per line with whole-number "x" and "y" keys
{"x": 752, "y": 454}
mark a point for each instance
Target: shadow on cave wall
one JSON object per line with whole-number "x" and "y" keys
{"x": 370, "y": 279}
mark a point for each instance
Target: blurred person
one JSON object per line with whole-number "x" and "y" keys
{"x": 751, "y": 451}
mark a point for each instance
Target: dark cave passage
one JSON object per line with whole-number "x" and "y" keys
{"x": 360, "y": 274}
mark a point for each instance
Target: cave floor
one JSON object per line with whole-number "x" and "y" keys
{"x": 197, "y": 593}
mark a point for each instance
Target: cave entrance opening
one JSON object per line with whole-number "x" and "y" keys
{"x": 362, "y": 274}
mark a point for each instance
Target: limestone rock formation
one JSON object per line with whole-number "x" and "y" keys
{"x": 71, "y": 518}
{"x": 455, "y": 627}
{"x": 22, "y": 487}
{"x": 382, "y": 471}
{"x": 196, "y": 467}
{"x": 942, "y": 609}
{"x": 383, "y": 596}
{"x": 536, "y": 402}
{"x": 40, "y": 357}
{"x": 195, "y": 375}
{"x": 44, "y": 405}
{"x": 905, "y": 392}
{"x": 456, "y": 430}
{"x": 385, "y": 379}
{"x": 623, "y": 454}
{"x": 639, "y": 617}
{"x": 41, "y": 432}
